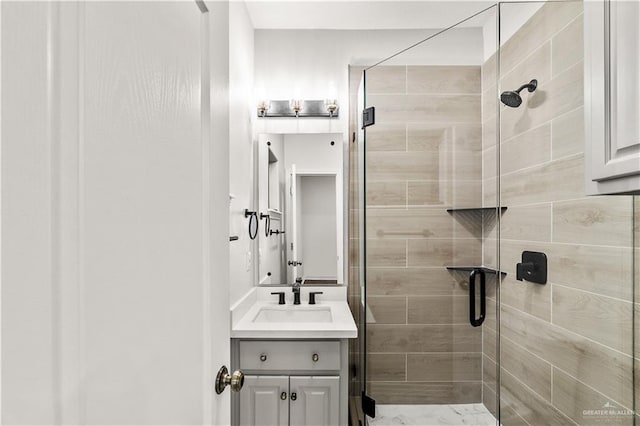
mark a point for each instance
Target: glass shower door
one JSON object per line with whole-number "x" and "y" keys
{"x": 429, "y": 229}
{"x": 474, "y": 170}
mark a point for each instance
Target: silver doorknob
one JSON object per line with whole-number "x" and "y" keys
{"x": 224, "y": 379}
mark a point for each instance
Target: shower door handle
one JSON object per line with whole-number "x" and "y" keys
{"x": 476, "y": 322}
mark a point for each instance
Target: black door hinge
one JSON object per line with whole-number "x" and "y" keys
{"x": 368, "y": 117}
{"x": 368, "y": 405}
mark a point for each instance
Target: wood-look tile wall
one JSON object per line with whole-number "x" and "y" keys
{"x": 423, "y": 155}
{"x": 566, "y": 347}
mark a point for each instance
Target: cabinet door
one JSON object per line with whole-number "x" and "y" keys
{"x": 264, "y": 401}
{"x": 612, "y": 96}
{"x": 314, "y": 400}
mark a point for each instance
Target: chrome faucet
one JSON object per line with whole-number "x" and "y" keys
{"x": 295, "y": 287}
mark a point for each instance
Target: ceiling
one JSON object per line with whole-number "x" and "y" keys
{"x": 361, "y": 14}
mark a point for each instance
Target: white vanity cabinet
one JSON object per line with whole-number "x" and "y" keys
{"x": 612, "y": 96}
{"x": 291, "y": 382}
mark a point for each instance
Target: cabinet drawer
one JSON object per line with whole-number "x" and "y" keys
{"x": 288, "y": 356}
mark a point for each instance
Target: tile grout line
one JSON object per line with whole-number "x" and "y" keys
{"x": 546, "y": 122}
{"x": 559, "y": 243}
{"x": 524, "y": 349}
{"x": 538, "y": 395}
{"x": 542, "y": 42}
{"x": 434, "y": 94}
{"x": 406, "y": 366}
{"x": 406, "y": 310}
{"x": 552, "y": 368}
{"x": 426, "y": 353}
{"x": 546, "y": 163}
{"x": 617, "y": 299}
{"x": 571, "y": 332}
{"x": 406, "y": 253}
{"x": 510, "y": 138}
{"x": 406, "y": 193}
{"x": 406, "y": 136}
{"x": 551, "y": 290}
{"x": 589, "y": 386}
{"x": 406, "y": 79}
{"x": 521, "y": 418}
{"x": 430, "y": 381}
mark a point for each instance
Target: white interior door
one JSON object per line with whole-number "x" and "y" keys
{"x": 294, "y": 247}
{"x": 318, "y": 225}
{"x": 113, "y": 273}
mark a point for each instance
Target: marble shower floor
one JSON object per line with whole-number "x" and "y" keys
{"x": 433, "y": 415}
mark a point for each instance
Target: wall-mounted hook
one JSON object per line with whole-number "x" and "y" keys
{"x": 267, "y": 223}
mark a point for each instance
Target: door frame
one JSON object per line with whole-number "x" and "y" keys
{"x": 339, "y": 214}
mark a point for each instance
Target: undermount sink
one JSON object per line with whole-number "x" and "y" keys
{"x": 293, "y": 314}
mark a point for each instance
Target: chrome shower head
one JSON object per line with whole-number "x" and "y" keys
{"x": 513, "y": 98}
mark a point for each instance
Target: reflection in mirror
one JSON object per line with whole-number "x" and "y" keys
{"x": 300, "y": 187}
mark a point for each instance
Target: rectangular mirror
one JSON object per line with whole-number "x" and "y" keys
{"x": 300, "y": 203}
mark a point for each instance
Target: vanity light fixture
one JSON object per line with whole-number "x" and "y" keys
{"x": 296, "y": 108}
{"x": 263, "y": 107}
{"x": 332, "y": 106}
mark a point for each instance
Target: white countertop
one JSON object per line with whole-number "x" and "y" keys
{"x": 341, "y": 326}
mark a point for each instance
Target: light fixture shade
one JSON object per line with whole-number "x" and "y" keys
{"x": 295, "y": 104}
{"x": 331, "y": 105}
{"x": 263, "y": 107}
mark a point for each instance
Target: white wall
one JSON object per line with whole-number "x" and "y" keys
{"x": 271, "y": 254}
{"x": 241, "y": 179}
{"x": 313, "y": 152}
{"x": 313, "y": 64}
